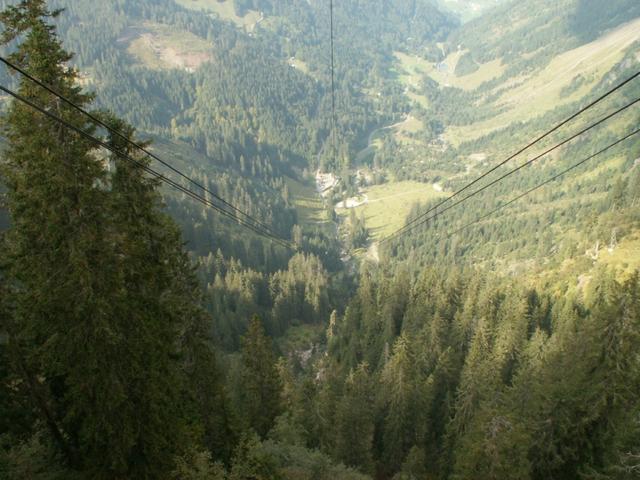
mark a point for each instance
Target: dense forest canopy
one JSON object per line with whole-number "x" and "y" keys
{"x": 143, "y": 335}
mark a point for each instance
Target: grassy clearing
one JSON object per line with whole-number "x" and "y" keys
{"x": 162, "y": 47}
{"x": 417, "y": 98}
{"x": 410, "y": 125}
{"x": 590, "y": 61}
{"x": 403, "y": 131}
{"x": 486, "y": 71}
{"x": 411, "y": 72}
{"x": 299, "y": 65}
{"x": 596, "y": 170}
{"x": 225, "y": 10}
{"x": 541, "y": 92}
{"x": 625, "y": 258}
{"x": 414, "y": 68}
{"x": 308, "y": 203}
{"x": 376, "y": 140}
{"x": 364, "y": 154}
{"x": 390, "y": 203}
{"x": 144, "y": 54}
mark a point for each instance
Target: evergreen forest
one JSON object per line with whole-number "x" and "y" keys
{"x": 319, "y": 240}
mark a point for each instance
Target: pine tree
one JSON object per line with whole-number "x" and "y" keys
{"x": 252, "y": 461}
{"x": 614, "y": 324}
{"x": 406, "y": 398}
{"x": 261, "y": 381}
{"x": 354, "y": 421}
{"x": 413, "y": 467}
{"x": 478, "y": 379}
{"x": 57, "y": 248}
{"x": 106, "y": 303}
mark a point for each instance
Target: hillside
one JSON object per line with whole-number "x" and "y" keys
{"x": 477, "y": 104}
{"x": 243, "y": 88}
{"x": 284, "y": 290}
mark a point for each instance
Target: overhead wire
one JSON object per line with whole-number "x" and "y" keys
{"x": 546, "y": 182}
{"x": 131, "y": 142}
{"x": 421, "y": 220}
{"x": 147, "y": 169}
{"x": 537, "y": 140}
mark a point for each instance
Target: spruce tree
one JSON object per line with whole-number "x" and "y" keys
{"x": 405, "y": 401}
{"x": 104, "y": 305}
{"x": 57, "y": 250}
{"x": 262, "y": 386}
{"x": 355, "y": 421}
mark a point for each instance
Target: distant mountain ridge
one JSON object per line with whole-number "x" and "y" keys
{"x": 517, "y": 28}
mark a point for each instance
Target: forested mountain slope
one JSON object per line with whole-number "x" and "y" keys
{"x": 244, "y": 109}
{"x": 142, "y": 335}
{"x": 487, "y": 96}
{"x": 247, "y": 107}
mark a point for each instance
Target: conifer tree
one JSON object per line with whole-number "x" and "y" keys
{"x": 57, "y": 248}
{"x": 413, "y": 467}
{"x": 355, "y": 422}
{"x": 105, "y": 305}
{"x": 406, "y": 398}
{"x": 477, "y": 379}
{"x": 262, "y": 386}
{"x": 614, "y": 326}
